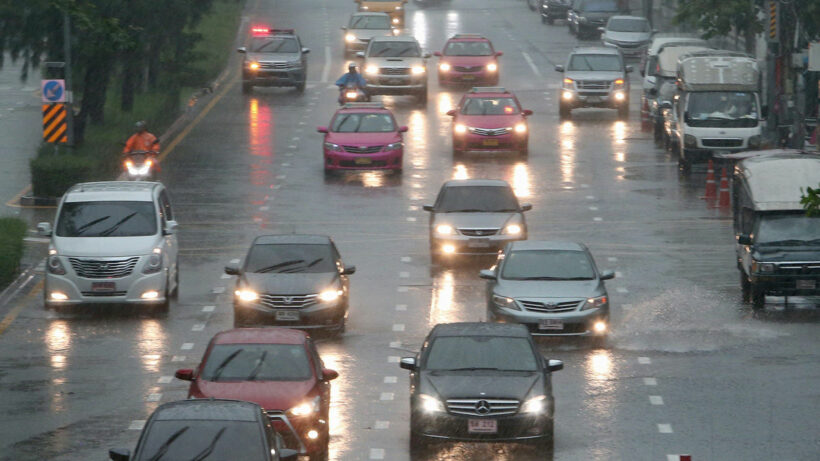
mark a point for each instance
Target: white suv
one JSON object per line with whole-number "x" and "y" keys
{"x": 113, "y": 242}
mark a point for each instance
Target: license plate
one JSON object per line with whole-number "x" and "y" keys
{"x": 550, "y": 324}
{"x": 290, "y": 316}
{"x": 490, "y": 142}
{"x": 594, "y": 99}
{"x": 806, "y": 284}
{"x": 468, "y": 77}
{"x": 482, "y": 426}
{"x": 395, "y": 81}
{"x": 363, "y": 161}
{"x": 478, "y": 243}
{"x": 101, "y": 287}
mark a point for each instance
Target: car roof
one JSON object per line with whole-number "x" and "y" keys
{"x": 260, "y": 336}
{"x": 775, "y": 178}
{"x": 485, "y": 91}
{"x": 659, "y": 41}
{"x": 111, "y": 191}
{"x": 626, "y": 16}
{"x": 547, "y": 245}
{"x": 305, "y": 239}
{"x": 369, "y": 13}
{"x": 398, "y": 38}
{"x": 476, "y": 182}
{"x": 468, "y": 38}
{"x": 595, "y": 50}
{"x": 364, "y": 107}
{"x": 207, "y": 409}
{"x": 512, "y": 330}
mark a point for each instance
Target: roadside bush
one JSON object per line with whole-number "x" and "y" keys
{"x": 12, "y": 231}
{"x": 53, "y": 174}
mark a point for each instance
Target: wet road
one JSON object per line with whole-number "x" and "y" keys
{"x": 688, "y": 368}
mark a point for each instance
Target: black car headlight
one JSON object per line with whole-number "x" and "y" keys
{"x": 430, "y": 404}
{"x": 536, "y": 405}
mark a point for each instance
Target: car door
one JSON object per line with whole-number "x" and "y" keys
{"x": 171, "y": 250}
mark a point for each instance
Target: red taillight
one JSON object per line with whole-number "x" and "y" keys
{"x": 260, "y": 30}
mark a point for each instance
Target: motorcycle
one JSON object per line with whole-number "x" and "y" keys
{"x": 352, "y": 93}
{"x": 139, "y": 165}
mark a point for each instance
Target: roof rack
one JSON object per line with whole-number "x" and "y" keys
{"x": 467, "y": 36}
{"x": 488, "y": 89}
{"x": 363, "y": 105}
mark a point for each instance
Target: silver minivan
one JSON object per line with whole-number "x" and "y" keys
{"x": 112, "y": 242}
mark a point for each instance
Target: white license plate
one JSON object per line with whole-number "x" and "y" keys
{"x": 478, "y": 243}
{"x": 550, "y": 324}
{"x": 103, "y": 287}
{"x": 806, "y": 284}
{"x": 594, "y": 99}
{"x": 287, "y": 315}
{"x": 482, "y": 426}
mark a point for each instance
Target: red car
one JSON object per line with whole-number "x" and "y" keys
{"x": 468, "y": 58}
{"x": 280, "y": 370}
{"x": 363, "y": 136}
{"x": 490, "y": 119}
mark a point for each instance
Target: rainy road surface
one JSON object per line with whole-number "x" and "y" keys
{"x": 688, "y": 368}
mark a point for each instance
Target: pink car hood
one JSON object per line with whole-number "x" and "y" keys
{"x": 468, "y": 61}
{"x": 270, "y": 395}
{"x": 490, "y": 121}
{"x": 363, "y": 139}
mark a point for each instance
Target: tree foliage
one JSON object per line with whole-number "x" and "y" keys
{"x": 811, "y": 201}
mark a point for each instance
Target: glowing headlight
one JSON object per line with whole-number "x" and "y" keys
{"x": 513, "y": 229}
{"x": 620, "y": 96}
{"x": 246, "y": 295}
{"x": 566, "y": 95}
{"x": 599, "y": 326}
{"x": 395, "y": 20}
{"x": 448, "y": 249}
{"x": 137, "y": 170}
{"x": 430, "y": 404}
{"x": 503, "y": 301}
{"x": 151, "y": 294}
{"x": 417, "y": 70}
{"x": 460, "y": 128}
{"x": 492, "y": 67}
{"x": 396, "y": 31}
{"x": 254, "y": 65}
{"x": 352, "y": 95}
{"x": 305, "y": 408}
{"x": 520, "y": 128}
{"x": 330, "y": 295}
{"x": 372, "y": 70}
{"x": 398, "y": 8}
{"x": 57, "y": 296}
{"x": 445, "y": 229}
{"x": 154, "y": 263}
{"x": 365, "y": 8}
{"x": 350, "y": 38}
{"x": 594, "y": 303}
{"x": 444, "y": 67}
{"x": 535, "y": 405}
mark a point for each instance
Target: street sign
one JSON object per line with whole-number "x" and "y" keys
{"x": 55, "y": 123}
{"x": 53, "y": 90}
{"x": 814, "y": 57}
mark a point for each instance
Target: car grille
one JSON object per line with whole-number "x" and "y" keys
{"x": 726, "y": 142}
{"x": 489, "y": 131}
{"x": 102, "y": 294}
{"x": 353, "y": 164}
{"x": 593, "y": 84}
{"x": 103, "y": 269}
{"x": 628, "y": 44}
{"x": 536, "y": 306}
{"x": 276, "y": 65}
{"x": 288, "y": 302}
{"x": 467, "y": 69}
{"x": 478, "y": 232}
{"x": 798, "y": 269}
{"x": 482, "y": 407}
{"x": 362, "y": 149}
{"x": 395, "y": 71}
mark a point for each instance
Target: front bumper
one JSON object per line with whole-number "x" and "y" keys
{"x": 125, "y": 290}
{"x": 338, "y": 160}
{"x": 406, "y": 86}
{"x": 294, "y": 431}
{"x": 475, "y": 246}
{"x": 481, "y": 76}
{"x": 260, "y": 77}
{"x": 318, "y": 316}
{"x": 606, "y": 99}
{"x": 512, "y": 428}
{"x": 629, "y": 51}
{"x": 788, "y": 285}
{"x": 474, "y": 142}
{"x": 575, "y": 323}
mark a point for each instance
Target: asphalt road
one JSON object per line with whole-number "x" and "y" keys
{"x": 688, "y": 368}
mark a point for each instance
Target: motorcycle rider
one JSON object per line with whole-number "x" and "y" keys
{"x": 143, "y": 141}
{"x": 352, "y": 77}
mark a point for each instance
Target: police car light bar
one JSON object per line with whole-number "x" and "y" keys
{"x": 260, "y": 30}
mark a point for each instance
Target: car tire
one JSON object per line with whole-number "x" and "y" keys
{"x": 300, "y": 88}
{"x": 328, "y": 173}
{"x": 745, "y": 288}
{"x": 544, "y": 20}
{"x": 684, "y": 162}
{"x": 550, "y": 20}
{"x": 564, "y": 112}
{"x": 164, "y": 307}
{"x": 758, "y": 298}
{"x": 246, "y": 88}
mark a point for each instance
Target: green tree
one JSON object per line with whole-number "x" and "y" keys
{"x": 716, "y": 18}
{"x": 811, "y": 201}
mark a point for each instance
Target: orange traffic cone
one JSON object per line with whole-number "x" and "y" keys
{"x": 723, "y": 193}
{"x": 711, "y": 186}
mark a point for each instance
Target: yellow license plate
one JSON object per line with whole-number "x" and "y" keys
{"x": 468, "y": 77}
{"x": 363, "y": 161}
{"x": 490, "y": 142}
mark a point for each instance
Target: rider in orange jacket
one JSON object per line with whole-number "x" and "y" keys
{"x": 144, "y": 141}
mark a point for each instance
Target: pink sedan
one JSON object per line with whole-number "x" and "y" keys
{"x": 468, "y": 58}
{"x": 490, "y": 119}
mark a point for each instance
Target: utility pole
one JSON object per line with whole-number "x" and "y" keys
{"x": 67, "y": 76}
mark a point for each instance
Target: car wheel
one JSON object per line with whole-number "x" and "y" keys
{"x": 546, "y": 445}
{"x": 328, "y": 173}
{"x": 745, "y": 288}
{"x": 246, "y": 88}
{"x": 684, "y": 162}
{"x": 758, "y": 298}
{"x": 550, "y": 20}
{"x": 564, "y": 112}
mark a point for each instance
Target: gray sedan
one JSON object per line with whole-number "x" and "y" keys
{"x": 554, "y": 288}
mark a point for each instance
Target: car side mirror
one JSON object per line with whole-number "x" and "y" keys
{"x": 329, "y": 375}
{"x": 305, "y": 50}
{"x": 436, "y": 53}
{"x": 629, "y": 69}
{"x": 607, "y": 275}
{"x": 233, "y": 269}
{"x": 403, "y": 129}
{"x": 499, "y": 53}
{"x": 321, "y": 129}
{"x": 170, "y": 228}
{"x": 242, "y": 49}
{"x": 744, "y": 239}
{"x": 185, "y": 374}
{"x": 451, "y": 112}
{"x": 554, "y": 365}
{"x": 559, "y": 68}
{"x": 408, "y": 363}
{"x": 44, "y": 229}
{"x": 287, "y": 454}
{"x": 487, "y": 274}
{"x": 427, "y": 207}
{"x": 526, "y": 206}
{"x": 349, "y": 270}
{"x": 426, "y": 55}
{"x": 119, "y": 454}
{"x": 360, "y": 54}
{"x": 526, "y": 112}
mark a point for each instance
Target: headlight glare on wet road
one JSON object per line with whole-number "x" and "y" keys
{"x": 444, "y": 67}
{"x": 430, "y": 404}
{"x": 247, "y": 295}
{"x": 445, "y": 229}
{"x": 395, "y": 20}
{"x": 448, "y": 249}
{"x": 492, "y": 67}
{"x": 330, "y": 295}
{"x": 535, "y": 405}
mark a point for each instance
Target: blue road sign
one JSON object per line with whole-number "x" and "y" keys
{"x": 53, "y": 90}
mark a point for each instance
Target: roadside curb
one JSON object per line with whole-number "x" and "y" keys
{"x": 14, "y": 288}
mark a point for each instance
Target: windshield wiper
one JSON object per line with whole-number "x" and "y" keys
{"x": 280, "y": 265}
{"x": 85, "y": 226}
{"x": 504, "y": 210}
{"x": 225, "y": 363}
{"x": 258, "y": 367}
{"x": 466, "y": 210}
{"x": 165, "y": 445}
{"x": 473, "y": 369}
{"x": 210, "y": 448}
{"x": 117, "y": 225}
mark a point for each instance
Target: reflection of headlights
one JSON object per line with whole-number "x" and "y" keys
{"x": 594, "y": 303}
{"x": 398, "y": 8}
{"x": 55, "y": 266}
{"x": 332, "y": 146}
{"x": 330, "y": 295}
{"x": 247, "y": 295}
{"x": 535, "y": 405}
{"x": 520, "y": 127}
{"x": 350, "y": 38}
{"x": 444, "y": 67}
{"x": 430, "y": 404}
{"x": 372, "y": 70}
{"x": 417, "y": 70}
{"x": 306, "y": 408}
{"x": 503, "y": 301}
{"x": 460, "y": 128}
{"x": 492, "y": 67}
{"x": 365, "y": 8}
{"x": 396, "y": 31}
{"x": 254, "y": 65}
{"x": 445, "y": 229}
{"x": 513, "y": 229}
{"x": 394, "y": 146}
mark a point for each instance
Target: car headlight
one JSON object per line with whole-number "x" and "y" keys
{"x": 754, "y": 141}
{"x": 253, "y": 65}
{"x": 762, "y": 267}
{"x": 55, "y": 266}
{"x": 398, "y": 8}
{"x": 417, "y": 70}
{"x": 350, "y": 38}
{"x": 397, "y": 31}
{"x": 460, "y": 128}
{"x": 395, "y": 20}
{"x": 430, "y": 404}
{"x": 620, "y": 96}
{"x": 306, "y": 408}
{"x": 444, "y": 67}
{"x": 520, "y": 127}
{"x": 445, "y": 229}
{"x": 246, "y": 295}
{"x": 154, "y": 263}
{"x": 513, "y": 229}
{"x": 505, "y": 302}
{"x": 394, "y": 146}
{"x": 689, "y": 140}
{"x": 372, "y": 70}
{"x": 332, "y": 146}
{"x": 492, "y": 67}
{"x": 365, "y": 8}
{"x": 594, "y": 303}
{"x": 535, "y": 405}
{"x": 330, "y": 295}
{"x": 567, "y": 95}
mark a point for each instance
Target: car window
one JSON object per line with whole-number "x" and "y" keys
{"x": 274, "y": 45}
{"x": 107, "y": 219}
{"x": 471, "y": 48}
{"x": 369, "y": 22}
{"x": 227, "y": 440}
{"x": 600, "y": 6}
{"x": 494, "y": 352}
{"x": 392, "y": 49}
{"x": 477, "y": 199}
{"x": 490, "y": 106}
{"x": 594, "y": 62}
{"x": 548, "y": 265}
{"x": 628, "y": 25}
{"x": 257, "y": 362}
{"x": 787, "y": 229}
{"x": 357, "y": 122}
{"x": 290, "y": 258}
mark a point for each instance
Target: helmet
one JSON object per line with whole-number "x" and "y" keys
{"x": 351, "y": 66}
{"x": 141, "y": 125}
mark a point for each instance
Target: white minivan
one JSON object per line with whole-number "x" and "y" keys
{"x": 112, "y": 243}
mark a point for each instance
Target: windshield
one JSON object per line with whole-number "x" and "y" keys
{"x": 107, "y": 219}
{"x": 787, "y": 230}
{"x": 370, "y": 22}
{"x": 290, "y": 258}
{"x": 260, "y": 362}
{"x": 600, "y": 6}
{"x": 203, "y": 439}
{"x": 490, "y": 106}
{"x": 274, "y": 45}
{"x": 595, "y": 62}
{"x": 472, "y": 48}
{"x": 394, "y": 49}
{"x": 483, "y": 352}
{"x": 722, "y": 109}
{"x": 548, "y": 265}
{"x": 487, "y": 199}
{"x": 628, "y": 25}
{"x": 357, "y": 122}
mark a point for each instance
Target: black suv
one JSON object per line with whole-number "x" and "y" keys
{"x": 480, "y": 382}
{"x": 588, "y": 15}
{"x": 274, "y": 57}
{"x": 553, "y": 9}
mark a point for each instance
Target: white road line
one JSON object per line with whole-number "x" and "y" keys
{"x": 644, "y": 360}
{"x": 377, "y": 453}
{"x": 198, "y": 327}
{"x": 590, "y": 197}
{"x": 136, "y": 425}
{"x": 164, "y": 379}
{"x": 593, "y": 208}
{"x": 292, "y": 146}
{"x": 597, "y": 219}
{"x": 225, "y": 276}
{"x": 391, "y": 379}
{"x": 386, "y": 396}
{"x": 626, "y": 306}
{"x": 398, "y": 327}
{"x": 265, "y": 208}
{"x": 281, "y": 176}
{"x": 665, "y": 428}
{"x": 208, "y": 308}
{"x": 650, "y": 381}
{"x": 218, "y": 290}
{"x": 404, "y": 274}
{"x": 612, "y": 259}
{"x": 286, "y": 164}
{"x": 413, "y": 208}
{"x": 382, "y": 425}
{"x": 153, "y": 397}
{"x": 235, "y": 261}
{"x": 656, "y": 400}
{"x": 622, "y": 290}
{"x": 406, "y": 259}
{"x": 187, "y": 346}
{"x": 619, "y": 274}
{"x": 178, "y": 358}
{"x": 402, "y": 289}
{"x": 393, "y": 359}
{"x": 411, "y": 219}
{"x": 326, "y": 70}
{"x": 532, "y": 64}
{"x": 401, "y": 307}
{"x": 395, "y": 344}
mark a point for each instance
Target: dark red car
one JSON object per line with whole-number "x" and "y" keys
{"x": 276, "y": 368}
{"x": 468, "y": 59}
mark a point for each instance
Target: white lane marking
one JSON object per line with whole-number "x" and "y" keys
{"x": 281, "y": 176}
{"x": 36, "y": 240}
{"x": 411, "y": 219}
{"x": 590, "y": 197}
{"x": 619, "y": 274}
{"x": 218, "y": 290}
{"x": 225, "y": 276}
{"x": 398, "y": 327}
{"x": 532, "y": 64}
{"x": 402, "y": 289}
{"x": 386, "y": 396}
{"x": 178, "y": 358}
{"x": 164, "y": 379}
{"x": 326, "y": 69}
{"x": 286, "y": 164}
{"x": 656, "y": 400}
{"x": 650, "y": 382}
{"x": 593, "y": 208}
{"x": 198, "y": 327}
{"x": 612, "y": 259}
{"x": 406, "y": 259}
{"x": 292, "y": 146}
{"x": 377, "y": 453}
{"x": 401, "y": 307}
{"x": 622, "y": 290}
{"x": 644, "y": 360}
{"x": 235, "y": 261}
{"x": 404, "y": 274}
{"x": 382, "y": 425}
{"x": 665, "y": 428}
{"x": 153, "y": 397}
{"x": 395, "y": 344}
{"x": 208, "y": 308}
{"x": 413, "y": 208}
{"x": 393, "y": 359}
{"x": 584, "y": 186}
{"x": 391, "y": 379}
{"x": 553, "y": 86}
{"x": 597, "y": 219}
{"x": 302, "y": 123}
{"x": 187, "y": 346}
{"x": 136, "y": 425}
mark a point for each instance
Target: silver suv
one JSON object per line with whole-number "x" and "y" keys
{"x": 397, "y": 66}
{"x": 595, "y": 77}
{"x": 112, "y": 242}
